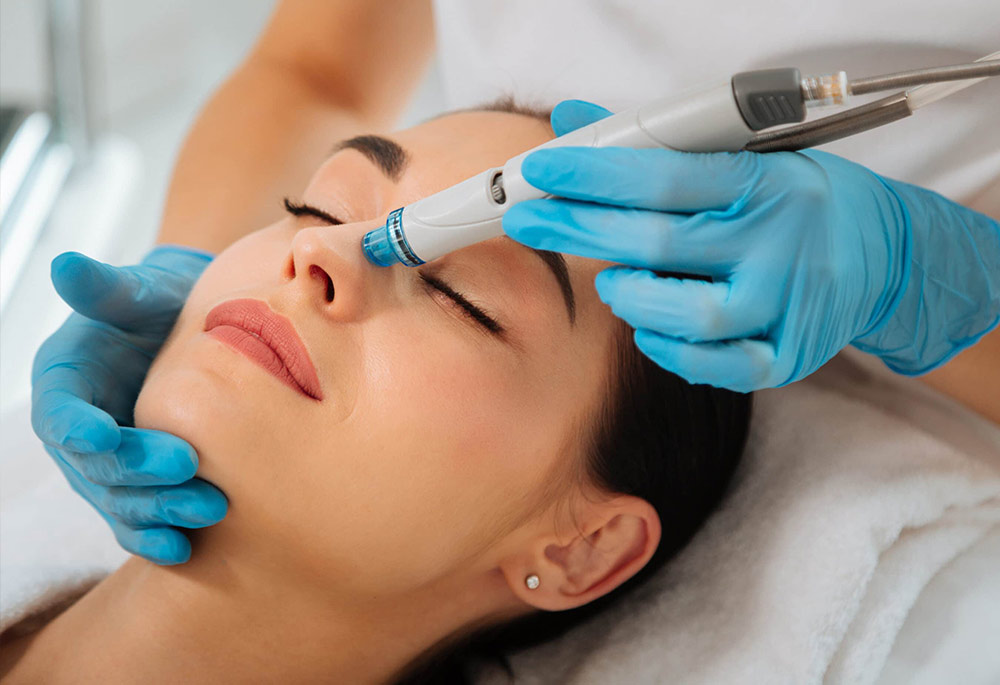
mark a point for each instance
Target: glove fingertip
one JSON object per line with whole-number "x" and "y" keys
{"x": 73, "y": 269}
{"x": 613, "y": 281}
{"x": 65, "y": 261}
{"x": 607, "y": 277}
{"x": 655, "y": 346}
{"x": 216, "y": 504}
{"x": 171, "y": 460}
{"x": 162, "y": 546}
{"x": 604, "y": 285}
{"x": 518, "y": 218}
{"x": 570, "y": 115}
{"x": 194, "y": 505}
{"x": 81, "y": 281}
{"x": 560, "y": 170}
{"x": 534, "y": 169}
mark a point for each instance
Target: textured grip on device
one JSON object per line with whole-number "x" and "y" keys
{"x": 768, "y": 97}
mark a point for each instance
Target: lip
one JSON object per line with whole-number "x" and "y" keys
{"x": 268, "y": 339}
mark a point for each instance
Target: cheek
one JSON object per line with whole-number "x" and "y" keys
{"x": 445, "y": 390}
{"x": 437, "y": 450}
{"x": 251, "y": 263}
{"x": 190, "y": 385}
{"x": 451, "y": 439}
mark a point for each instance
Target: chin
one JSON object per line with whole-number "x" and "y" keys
{"x": 204, "y": 401}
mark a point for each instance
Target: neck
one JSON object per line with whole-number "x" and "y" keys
{"x": 217, "y": 620}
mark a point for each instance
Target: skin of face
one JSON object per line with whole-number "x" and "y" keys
{"x": 434, "y": 438}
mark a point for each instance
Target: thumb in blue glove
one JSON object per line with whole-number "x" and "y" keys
{"x": 85, "y": 381}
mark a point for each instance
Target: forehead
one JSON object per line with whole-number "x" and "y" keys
{"x": 465, "y": 143}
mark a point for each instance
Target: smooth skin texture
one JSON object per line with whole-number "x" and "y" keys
{"x": 436, "y": 474}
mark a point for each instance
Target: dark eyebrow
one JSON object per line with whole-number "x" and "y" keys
{"x": 557, "y": 263}
{"x": 390, "y": 157}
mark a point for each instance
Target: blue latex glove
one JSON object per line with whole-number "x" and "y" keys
{"x": 807, "y": 253}
{"x": 85, "y": 380}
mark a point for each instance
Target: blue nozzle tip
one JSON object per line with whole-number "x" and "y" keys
{"x": 377, "y": 247}
{"x": 387, "y": 245}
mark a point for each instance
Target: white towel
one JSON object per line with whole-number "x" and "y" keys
{"x": 841, "y": 513}
{"x": 53, "y": 546}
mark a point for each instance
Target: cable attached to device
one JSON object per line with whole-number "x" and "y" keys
{"x": 933, "y": 84}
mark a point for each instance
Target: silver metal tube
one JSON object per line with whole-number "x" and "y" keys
{"x": 917, "y": 77}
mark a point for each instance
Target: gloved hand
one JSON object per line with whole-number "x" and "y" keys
{"x": 807, "y": 253}
{"x": 85, "y": 381}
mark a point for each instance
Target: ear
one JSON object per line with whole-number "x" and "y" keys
{"x": 614, "y": 540}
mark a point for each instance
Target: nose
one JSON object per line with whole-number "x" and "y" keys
{"x": 328, "y": 268}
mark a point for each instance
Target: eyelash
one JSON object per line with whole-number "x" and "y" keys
{"x": 469, "y": 309}
{"x": 302, "y": 209}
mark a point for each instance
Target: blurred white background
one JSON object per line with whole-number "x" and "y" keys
{"x": 147, "y": 67}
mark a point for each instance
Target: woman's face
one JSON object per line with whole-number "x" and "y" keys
{"x": 438, "y": 430}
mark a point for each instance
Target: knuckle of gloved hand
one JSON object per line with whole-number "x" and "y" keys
{"x": 109, "y": 500}
{"x": 161, "y": 505}
{"x": 100, "y": 469}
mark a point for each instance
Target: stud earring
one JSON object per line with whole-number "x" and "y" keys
{"x": 532, "y": 581}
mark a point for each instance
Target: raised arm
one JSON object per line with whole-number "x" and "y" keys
{"x": 322, "y": 70}
{"x": 973, "y": 376}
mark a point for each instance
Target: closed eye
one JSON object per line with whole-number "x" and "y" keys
{"x": 472, "y": 311}
{"x": 469, "y": 309}
{"x": 297, "y": 209}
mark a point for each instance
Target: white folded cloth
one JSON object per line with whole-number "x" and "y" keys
{"x": 856, "y": 489}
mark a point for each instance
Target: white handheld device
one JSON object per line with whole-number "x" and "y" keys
{"x": 722, "y": 117}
